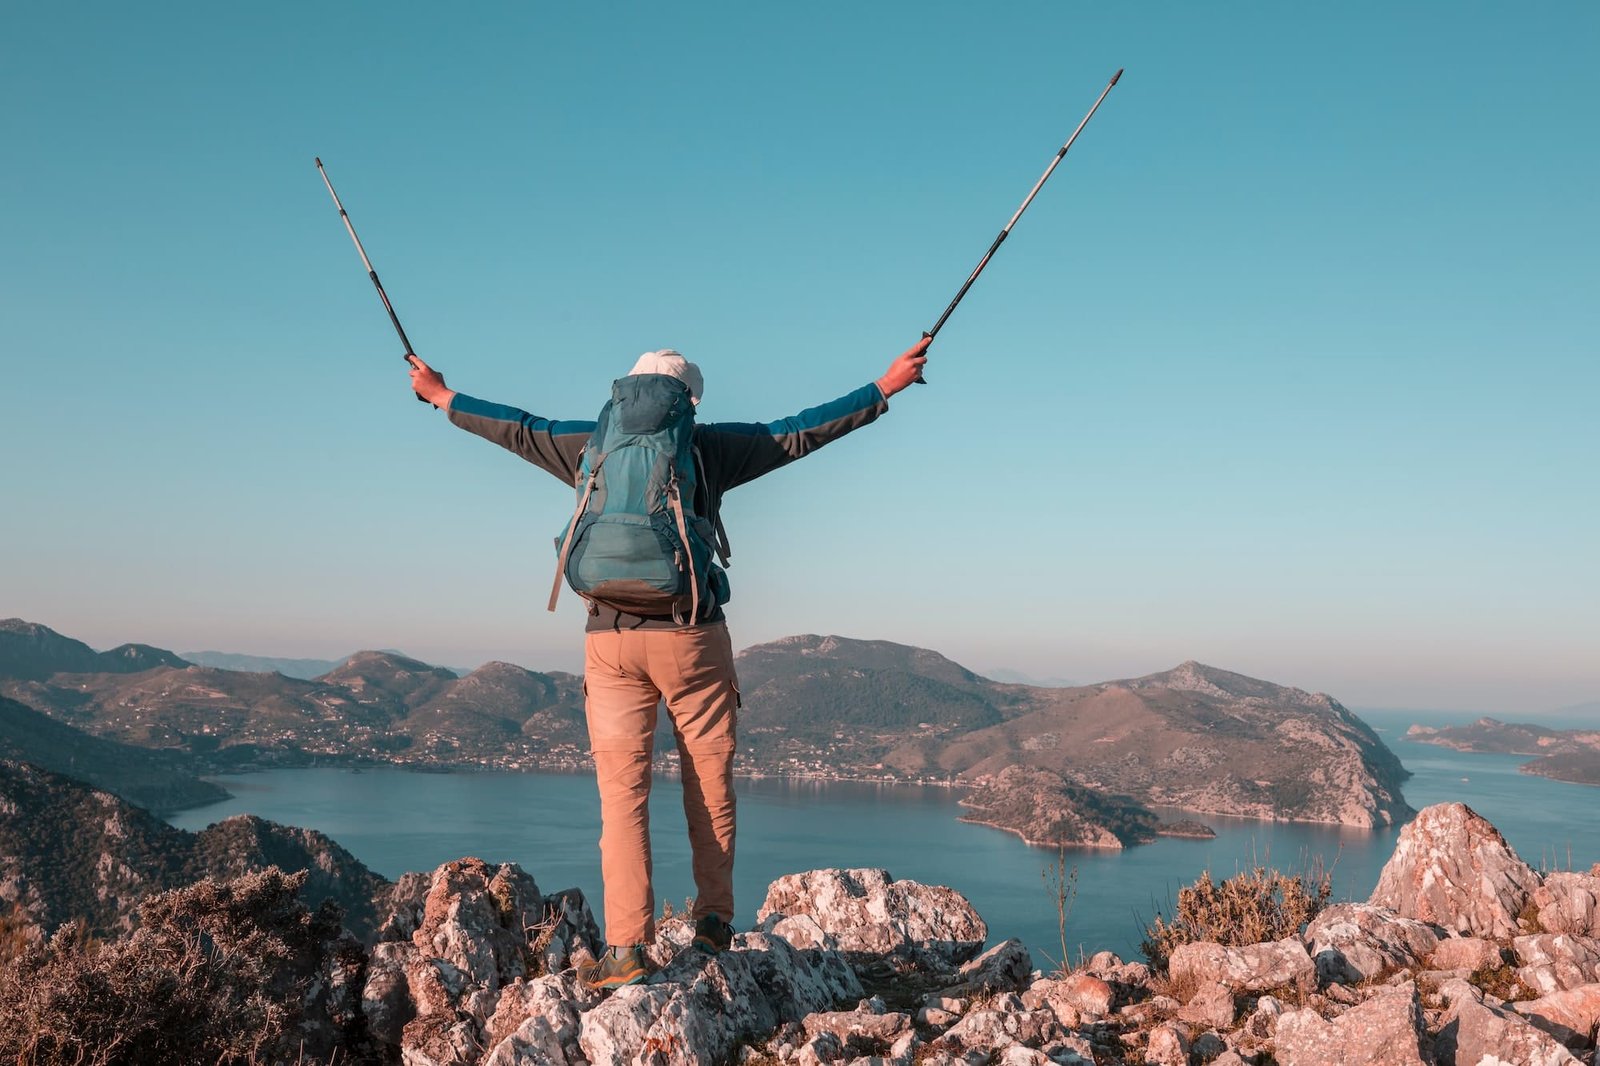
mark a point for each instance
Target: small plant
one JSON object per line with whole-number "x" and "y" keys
{"x": 1257, "y": 905}
{"x": 1501, "y": 982}
{"x": 538, "y": 939}
{"x": 1061, "y": 885}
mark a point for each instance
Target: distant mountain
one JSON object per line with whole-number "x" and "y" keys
{"x": 68, "y": 851}
{"x": 375, "y": 705}
{"x": 1195, "y": 737}
{"x": 157, "y": 780}
{"x": 304, "y": 669}
{"x": 30, "y": 651}
{"x": 866, "y": 695}
{"x": 1561, "y": 754}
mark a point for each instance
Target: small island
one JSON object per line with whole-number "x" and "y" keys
{"x": 1559, "y": 754}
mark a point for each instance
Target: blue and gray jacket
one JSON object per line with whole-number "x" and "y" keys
{"x": 731, "y": 454}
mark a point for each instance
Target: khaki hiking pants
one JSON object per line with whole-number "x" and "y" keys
{"x": 626, "y": 675}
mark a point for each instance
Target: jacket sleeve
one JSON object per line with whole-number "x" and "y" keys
{"x": 743, "y": 451}
{"x": 553, "y": 446}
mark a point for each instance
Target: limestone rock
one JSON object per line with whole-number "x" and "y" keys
{"x": 1469, "y": 953}
{"x": 1452, "y": 868}
{"x": 470, "y": 942}
{"x": 1474, "y": 1032}
{"x": 700, "y": 1009}
{"x": 1006, "y": 967}
{"x": 537, "y": 1021}
{"x": 988, "y": 1030}
{"x": 1554, "y": 962}
{"x": 1253, "y": 968}
{"x": 1352, "y": 942}
{"x": 861, "y": 1031}
{"x": 1263, "y": 1021}
{"x": 1168, "y": 1046}
{"x": 1211, "y": 1007}
{"x": 797, "y": 982}
{"x": 867, "y": 915}
{"x": 1087, "y": 994}
{"x": 1572, "y": 1016}
{"x": 386, "y": 997}
{"x": 1569, "y": 903}
{"x": 1071, "y": 999}
{"x": 614, "y": 1033}
{"x": 1386, "y": 1030}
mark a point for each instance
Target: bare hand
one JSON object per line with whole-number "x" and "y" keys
{"x": 429, "y": 383}
{"x": 905, "y": 369}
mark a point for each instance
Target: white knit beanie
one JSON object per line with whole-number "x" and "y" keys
{"x": 671, "y": 363}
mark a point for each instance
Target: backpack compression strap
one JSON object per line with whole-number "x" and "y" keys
{"x": 566, "y": 541}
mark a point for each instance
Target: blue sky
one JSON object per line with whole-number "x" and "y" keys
{"x": 1291, "y": 368}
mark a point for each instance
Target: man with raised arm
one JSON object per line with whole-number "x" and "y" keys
{"x": 681, "y": 655}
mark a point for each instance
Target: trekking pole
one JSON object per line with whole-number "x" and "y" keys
{"x": 410, "y": 356}
{"x": 934, "y": 332}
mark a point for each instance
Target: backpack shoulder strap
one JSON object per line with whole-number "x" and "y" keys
{"x": 572, "y": 527}
{"x": 724, "y": 552}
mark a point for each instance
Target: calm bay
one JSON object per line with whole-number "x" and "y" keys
{"x": 395, "y": 821}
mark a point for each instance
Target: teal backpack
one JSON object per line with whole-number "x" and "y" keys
{"x": 635, "y": 542}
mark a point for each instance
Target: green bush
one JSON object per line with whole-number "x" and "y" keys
{"x": 1258, "y": 905}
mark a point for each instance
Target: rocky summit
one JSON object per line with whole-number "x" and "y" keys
{"x": 1463, "y": 955}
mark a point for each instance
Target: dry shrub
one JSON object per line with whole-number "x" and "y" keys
{"x": 17, "y": 935}
{"x": 1261, "y": 904}
{"x": 217, "y": 972}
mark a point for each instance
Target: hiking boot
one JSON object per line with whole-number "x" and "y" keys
{"x": 617, "y": 967}
{"x": 712, "y": 935}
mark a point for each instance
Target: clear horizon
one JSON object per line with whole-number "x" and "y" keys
{"x": 1290, "y": 369}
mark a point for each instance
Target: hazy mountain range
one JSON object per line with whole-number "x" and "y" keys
{"x": 1194, "y": 737}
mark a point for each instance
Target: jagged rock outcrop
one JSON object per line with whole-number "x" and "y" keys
{"x": 1467, "y": 953}
{"x": 1475, "y": 1030}
{"x": 1386, "y": 1030}
{"x": 473, "y": 966}
{"x": 1452, "y": 868}
{"x": 1569, "y": 903}
{"x": 1352, "y": 942}
{"x": 1556, "y": 962}
{"x": 867, "y": 914}
{"x": 1253, "y": 968}
{"x": 1572, "y": 1017}
{"x": 436, "y": 983}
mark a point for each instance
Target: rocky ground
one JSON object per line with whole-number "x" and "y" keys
{"x": 1463, "y": 955}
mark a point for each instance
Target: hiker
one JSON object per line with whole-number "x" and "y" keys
{"x": 680, "y": 652}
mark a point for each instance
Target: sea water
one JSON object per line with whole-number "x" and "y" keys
{"x": 395, "y": 821}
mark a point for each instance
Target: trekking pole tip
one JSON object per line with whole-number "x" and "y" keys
{"x": 1117, "y": 75}
{"x": 319, "y": 158}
